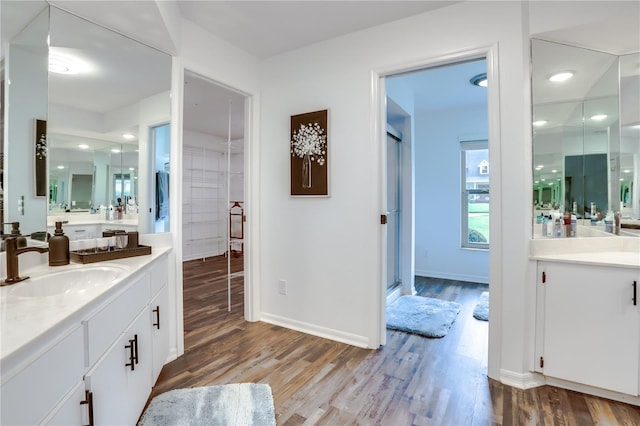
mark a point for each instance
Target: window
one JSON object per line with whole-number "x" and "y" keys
{"x": 475, "y": 194}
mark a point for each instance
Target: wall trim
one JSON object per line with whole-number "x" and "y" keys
{"x": 521, "y": 380}
{"x": 451, "y": 276}
{"x": 326, "y": 333}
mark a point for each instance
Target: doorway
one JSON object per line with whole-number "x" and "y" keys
{"x": 447, "y": 109}
{"x": 213, "y": 190}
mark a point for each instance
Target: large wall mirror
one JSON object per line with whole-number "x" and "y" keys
{"x": 585, "y": 145}
{"x": 101, "y": 96}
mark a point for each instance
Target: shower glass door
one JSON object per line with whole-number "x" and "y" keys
{"x": 393, "y": 210}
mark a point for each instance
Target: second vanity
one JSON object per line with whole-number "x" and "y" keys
{"x": 588, "y": 315}
{"x": 84, "y": 354}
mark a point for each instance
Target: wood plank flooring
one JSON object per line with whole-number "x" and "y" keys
{"x": 412, "y": 380}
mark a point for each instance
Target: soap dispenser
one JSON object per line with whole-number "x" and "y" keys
{"x": 58, "y": 247}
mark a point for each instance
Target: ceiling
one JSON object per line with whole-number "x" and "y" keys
{"x": 267, "y": 28}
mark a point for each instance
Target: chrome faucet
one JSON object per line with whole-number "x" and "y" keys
{"x": 12, "y": 252}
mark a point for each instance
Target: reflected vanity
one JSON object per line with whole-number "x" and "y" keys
{"x": 100, "y": 95}
{"x": 585, "y": 141}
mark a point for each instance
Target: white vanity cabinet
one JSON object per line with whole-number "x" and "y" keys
{"x": 121, "y": 380}
{"x": 28, "y": 395}
{"x": 159, "y": 310}
{"x": 590, "y": 325}
{"x": 100, "y": 368}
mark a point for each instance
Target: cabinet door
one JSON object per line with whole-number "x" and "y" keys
{"x": 71, "y": 411}
{"x": 120, "y": 392}
{"x": 160, "y": 330}
{"x": 43, "y": 383}
{"x": 591, "y": 325}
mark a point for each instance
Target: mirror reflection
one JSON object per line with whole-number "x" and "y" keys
{"x": 101, "y": 95}
{"x": 578, "y": 154}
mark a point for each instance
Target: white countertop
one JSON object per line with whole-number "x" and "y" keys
{"x": 625, "y": 259}
{"x": 72, "y": 219}
{"x": 24, "y": 320}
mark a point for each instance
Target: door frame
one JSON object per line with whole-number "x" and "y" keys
{"x": 378, "y": 130}
{"x": 251, "y": 173}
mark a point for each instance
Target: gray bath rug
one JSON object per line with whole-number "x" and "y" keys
{"x": 422, "y": 315}
{"x": 481, "y": 310}
{"x": 225, "y": 405}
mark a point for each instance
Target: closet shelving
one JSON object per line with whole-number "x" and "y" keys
{"x": 204, "y": 201}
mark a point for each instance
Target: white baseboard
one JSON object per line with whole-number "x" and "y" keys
{"x": 603, "y": 393}
{"x": 521, "y": 380}
{"x": 532, "y": 380}
{"x": 452, "y": 276}
{"x": 326, "y": 333}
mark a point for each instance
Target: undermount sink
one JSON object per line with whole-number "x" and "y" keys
{"x": 69, "y": 281}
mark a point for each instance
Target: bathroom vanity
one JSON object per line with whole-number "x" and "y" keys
{"x": 86, "y": 353}
{"x": 588, "y": 315}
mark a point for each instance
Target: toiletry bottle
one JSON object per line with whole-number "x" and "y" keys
{"x": 608, "y": 222}
{"x": 58, "y": 247}
{"x": 574, "y": 225}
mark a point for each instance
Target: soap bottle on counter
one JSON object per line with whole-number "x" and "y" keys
{"x": 58, "y": 247}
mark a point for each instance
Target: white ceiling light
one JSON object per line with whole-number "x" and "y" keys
{"x": 128, "y": 136}
{"x": 115, "y": 150}
{"x": 479, "y": 80}
{"x": 599, "y": 117}
{"x": 61, "y": 167}
{"x": 627, "y": 171}
{"x": 561, "y": 76}
{"x": 61, "y": 62}
{"x": 539, "y": 123}
{"x": 83, "y": 146}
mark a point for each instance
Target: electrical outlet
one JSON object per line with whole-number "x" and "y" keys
{"x": 282, "y": 287}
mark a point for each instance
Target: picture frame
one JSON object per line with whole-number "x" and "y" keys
{"x": 40, "y": 157}
{"x": 309, "y": 154}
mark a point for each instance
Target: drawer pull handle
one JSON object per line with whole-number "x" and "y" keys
{"x": 157, "y": 323}
{"x": 635, "y": 293}
{"x": 89, "y": 401}
{"x": 132, "y": 354}
{"x": 135, "y": 347}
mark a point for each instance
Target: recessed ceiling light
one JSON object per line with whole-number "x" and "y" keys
{"x": 599, "y": 117}
{"x": 115, "y": 150}
{"x": 83, "y": 146}
{"x": 621, "y": 179}
{"x": 131, "y": 168}
{"x": 627, "y": 171}
{"x": 62, "y": 62}
{"x": 539, "y": 123}
{"x": 128, "y": 136}
{"x": 543, "y": 179}
{"x": 561, "y": 76}
{"x": 554, "y": 171}
{"x": 550, "y": 183}
{"x": 61, "y": 167}
{"x": 479, "y": 80}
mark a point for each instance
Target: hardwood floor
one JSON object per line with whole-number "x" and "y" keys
{"x": 410, "y": 381}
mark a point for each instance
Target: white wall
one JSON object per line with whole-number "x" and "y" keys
{"x": 328, "y": 249}
{"x": 438, "y": 213}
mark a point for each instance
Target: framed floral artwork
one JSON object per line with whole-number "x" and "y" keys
{"x": 309, "y": 154}
{"x": 40, "y": 133}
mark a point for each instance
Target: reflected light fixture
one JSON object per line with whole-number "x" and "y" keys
{"x": 128, "y": 136}
{"x": 479, "y": 80}
{"x": 539, "y": 123}
{"x": 599, "y": 117}
{"x": 83, "y": 146}
{"x": 61, "y": 167}
{"x": 115, "y": 150}
{"x": 61, "y": 62}
{"x": 561, "y": 76}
